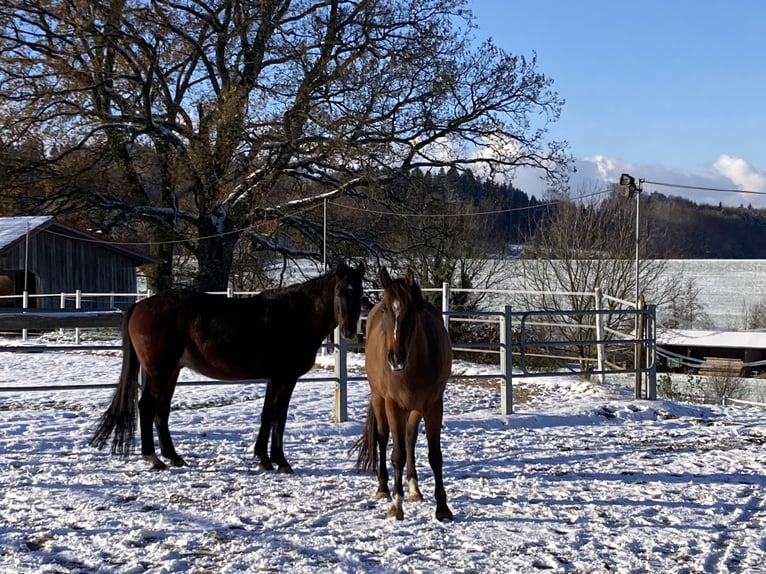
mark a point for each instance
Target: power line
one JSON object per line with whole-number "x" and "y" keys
{"x": 702, "y": 188}
{"x": 472, "y": 214}
{"x": 188, "y": 239}
{"x": 336, "y": 204}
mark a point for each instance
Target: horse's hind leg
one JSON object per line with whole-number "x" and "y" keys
{"x": 262, "y": 442}
{"x": 154, "y": 409}
{"x": 433, "y": 434}
{"x": 413, "y": 424}
{"x": 161, "y": 422}
{"x": 282, "y": 394}
{"x": 147, "y": 409}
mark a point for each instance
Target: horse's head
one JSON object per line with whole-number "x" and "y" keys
{"x": 402, "y": 301}
{"x": 348, "y": 298}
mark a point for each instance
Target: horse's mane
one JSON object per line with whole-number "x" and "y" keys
{"x": 304, "y": 286}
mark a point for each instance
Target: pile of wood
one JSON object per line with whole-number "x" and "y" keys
{"x": 721, "y": 367}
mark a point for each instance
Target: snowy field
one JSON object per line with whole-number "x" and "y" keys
{"x": 579, "y": 479}
{"x": 727, "y": 287}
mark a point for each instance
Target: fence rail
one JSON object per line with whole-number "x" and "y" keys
{"x": 515, "y": 338}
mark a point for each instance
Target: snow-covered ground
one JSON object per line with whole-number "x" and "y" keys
{"x": 579, "y": 479}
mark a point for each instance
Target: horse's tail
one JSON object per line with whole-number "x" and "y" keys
{"x": 120, "y": 416}
{"x": 367, "y": 444}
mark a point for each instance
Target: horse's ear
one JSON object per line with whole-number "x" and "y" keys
{"x": 417, "y": 294}
{"x": 385, "y": 278}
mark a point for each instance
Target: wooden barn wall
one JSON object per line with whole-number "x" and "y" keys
{"x": 62, "y": 264}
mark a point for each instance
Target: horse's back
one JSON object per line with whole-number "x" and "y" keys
{"x": 182, "y": 328}
{"x": 219, "y": 336}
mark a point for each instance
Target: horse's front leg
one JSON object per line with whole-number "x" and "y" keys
{"x": 413, "y": 424}
{"x": 381, "y": 433}
{"x": 396, "y": 419}
{"x": 283, "y": 391}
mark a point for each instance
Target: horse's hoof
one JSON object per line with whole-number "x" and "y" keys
{"x": 382, "y": 494}
{"x": 264, "y": 462}
{"x": 415, "y": 497}
{"x": 154, "y": 462}
{"x": 285, "y": 469}
{"x": 395, "y": 512}
{"x": 444, "y": 515}
{"x": 178, "y": 462}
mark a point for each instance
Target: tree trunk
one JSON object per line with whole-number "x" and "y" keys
{"x": 215, "y": 255}
{"x": 160, "y": 277}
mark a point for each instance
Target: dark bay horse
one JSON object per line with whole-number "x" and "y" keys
{"x": 274, "y": 335}
{"x": 408, "y": 358}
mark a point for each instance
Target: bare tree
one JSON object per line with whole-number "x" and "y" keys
{"x": 684, "y": 309}
{"x": 206, "y": 120}
{"x": 584, "y": 245}
{"x": 754, "y": 315}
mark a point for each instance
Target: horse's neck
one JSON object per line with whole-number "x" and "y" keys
{"x": 426, "y": 322}
{"x": 321, "y": 296}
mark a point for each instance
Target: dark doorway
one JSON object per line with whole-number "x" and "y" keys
{"x": 12, "y": 283}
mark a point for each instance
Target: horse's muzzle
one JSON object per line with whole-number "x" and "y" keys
{"x": 397, "y": 361}
{"x": 348, "y": 333}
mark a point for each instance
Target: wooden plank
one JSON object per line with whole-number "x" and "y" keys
{"x": 721, "y": 367}
{"x": 46, "y": 320}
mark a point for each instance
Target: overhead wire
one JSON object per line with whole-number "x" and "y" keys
{"x": 407, "y": 215}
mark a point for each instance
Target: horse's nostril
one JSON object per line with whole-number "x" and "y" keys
{"x": 397, "y": 361}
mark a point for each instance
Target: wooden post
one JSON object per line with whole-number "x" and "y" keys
{"x": 651, "y": 352}
{"x": 640, "y": 326}
{"x": 506, "y": 363}
{"x": 601, "y": 345}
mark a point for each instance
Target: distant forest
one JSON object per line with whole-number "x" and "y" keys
{"x": 671, "y": 227}
{"x": 498, "y": 214}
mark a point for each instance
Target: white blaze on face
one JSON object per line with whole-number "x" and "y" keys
{"x": 396, "y": 306}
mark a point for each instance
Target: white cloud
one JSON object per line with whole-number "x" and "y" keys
{"x": 726, "y": 173}
{"x": 743, "y": 175}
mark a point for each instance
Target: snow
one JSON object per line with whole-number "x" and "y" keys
{"x": 580, "y": 478}
{"x": 12, "y": 228}
{"x": 712, "y": 338}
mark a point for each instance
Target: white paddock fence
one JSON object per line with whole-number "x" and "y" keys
{"x": 519, "y": 340}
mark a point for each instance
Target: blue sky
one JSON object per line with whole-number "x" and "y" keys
{"x": 670, "y": 91}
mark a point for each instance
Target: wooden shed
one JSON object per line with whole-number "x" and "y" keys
{"x": 46, "y": 256}
{"x": 727, "y": 353}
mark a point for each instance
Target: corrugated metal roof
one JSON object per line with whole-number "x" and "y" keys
{"x": 14, "y": 228}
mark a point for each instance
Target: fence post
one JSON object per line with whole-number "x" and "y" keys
{"x": 341, "y": 378}
{"x": 651, "y": 351}
{"x": 24, "y": 305}
{"x": 601, "y": 345}
{"x": 62, "y": 306}
{"x": 506, "y": 362}
{"x": 445, "y": 304}
{"x": 77, "y": 305}
{"x": 639, "y": 351}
